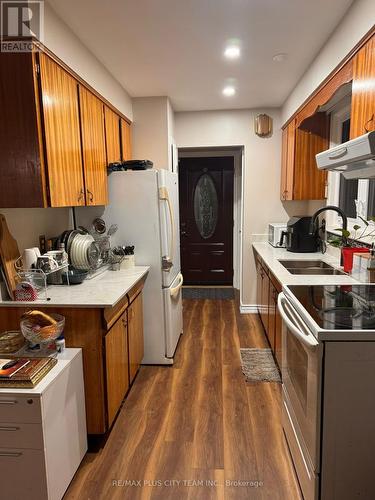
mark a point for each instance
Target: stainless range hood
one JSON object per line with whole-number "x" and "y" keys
{"x": 355, "y": 159}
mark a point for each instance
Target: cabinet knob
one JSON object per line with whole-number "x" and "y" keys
{"x": 80, "y": 195}
{"x": 91, "y": 196}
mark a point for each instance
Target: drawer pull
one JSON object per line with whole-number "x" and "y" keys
{"x": 10, "y": 454}
{"x": 2, "y": 428}
{"x": 7, "y": 402}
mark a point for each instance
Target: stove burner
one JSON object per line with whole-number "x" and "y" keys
{"x": 341, "y": 316}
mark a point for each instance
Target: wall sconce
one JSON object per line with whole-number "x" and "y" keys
{"x": 263, "y": 125}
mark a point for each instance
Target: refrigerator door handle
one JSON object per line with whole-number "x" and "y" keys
{"x": 174, "y": 291}
{"x": 163, "y": 195}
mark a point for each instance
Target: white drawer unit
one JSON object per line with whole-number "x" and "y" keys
{"x": 43, "y": 432}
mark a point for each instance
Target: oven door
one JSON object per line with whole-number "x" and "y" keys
{"x": 301, "y": 372}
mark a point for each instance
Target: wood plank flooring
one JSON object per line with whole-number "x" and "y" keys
{"x": 196, "y": 430}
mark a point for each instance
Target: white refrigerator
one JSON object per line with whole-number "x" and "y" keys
{"x": 145, "y": 206}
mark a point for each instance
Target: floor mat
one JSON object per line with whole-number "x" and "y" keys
{"x": 208, "y": 293}
{"x": 258, "y": 365}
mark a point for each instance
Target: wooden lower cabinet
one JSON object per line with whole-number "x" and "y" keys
{"x": 268, "y": 289}
{"x": 135, "y": 335}
{"x": 262, "y": 293}
{"x": 117, "y": 365}
{"x": 107, "y": 351}
{"x": 272, "y": 308}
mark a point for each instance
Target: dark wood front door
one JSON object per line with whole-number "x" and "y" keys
{"x": 206, "y": 220}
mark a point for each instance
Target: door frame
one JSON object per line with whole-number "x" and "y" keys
{"x": 236, "y": 152}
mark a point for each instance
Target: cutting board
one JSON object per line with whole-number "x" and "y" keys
{"x": 9, "y": 253}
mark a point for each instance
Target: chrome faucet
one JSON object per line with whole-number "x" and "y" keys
{"x": 335, "y": 209}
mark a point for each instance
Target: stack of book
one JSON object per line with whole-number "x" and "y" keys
{"x": 24, "y": 372}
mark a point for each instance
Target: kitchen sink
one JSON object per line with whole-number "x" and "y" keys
{"x": 310, "y": 267}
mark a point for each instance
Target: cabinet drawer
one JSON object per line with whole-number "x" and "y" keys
{"x": 112, "y": 314}
{"x": 20, "y": 409}
{"x": 21, "y": 436}
{"x": 23, "y": 474}
{"x": 137, "y": 288}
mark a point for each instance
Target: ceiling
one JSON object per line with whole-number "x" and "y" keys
{"x": 175, "y": 47}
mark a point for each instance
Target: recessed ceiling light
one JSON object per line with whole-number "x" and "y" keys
{"x": 229, "y": 91}
{"x": 232, "y": 52}
{"x": 280, "y": 57}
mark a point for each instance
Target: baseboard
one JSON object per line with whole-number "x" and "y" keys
{"x": 248, "y": 309}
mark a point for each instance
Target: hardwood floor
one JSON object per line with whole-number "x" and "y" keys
{"x": 196, "y": 430}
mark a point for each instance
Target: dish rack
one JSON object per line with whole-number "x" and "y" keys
{"x": 40, "y": 279}
{"x": 103, "y": 264}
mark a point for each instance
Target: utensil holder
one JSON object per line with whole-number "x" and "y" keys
{"x": 128, "y": 262}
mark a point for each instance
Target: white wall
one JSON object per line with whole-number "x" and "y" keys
{"x": 261, "y": 173}
{"x": 27, "y": 224}
{"x": 356, "y": 23}
{"x": 59, "y": 38}
{"x": 153, "y": 130}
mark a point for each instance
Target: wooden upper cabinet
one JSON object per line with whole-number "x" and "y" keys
{"x": 300, "y": 177}
{"x": 62, "y": 134}
{"x": 112, "y": 134}
{"x": 93, "y": 148}
{"x": 287, "y": 161}
{"x": 363, "y": 91}
{"x": 22, "y": 170}
{"x": 135, "y": 335}
{"x": 312, "y": 137}
{"x": 126, "y": 145}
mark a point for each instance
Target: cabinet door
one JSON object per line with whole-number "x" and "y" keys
{"x": 265, "y": 298}
{"x": 22, "y": 172}
{"x": 284, "y": 163}
{"x": 272, "y": 298}
{"x": 287, "y": 161}
{"x": 93, "y": 146}
{"x": 363, "y": 91}
{"x": 112, "y": 135}
{"x": 259, "y": 284}
{"x": 135, "y": 335}
{"x": 62, "y": 134}
{"x": 116, "y": 356}
{"x": 311, "y": 138}
{"x": 126, "y": 145}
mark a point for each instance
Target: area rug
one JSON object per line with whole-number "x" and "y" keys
{"x": 208, "y": 293}
{"x": 258, "y": 365}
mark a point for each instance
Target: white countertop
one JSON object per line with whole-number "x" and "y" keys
{"x": 63, "y": 360}
{"x": 272, "y": 255}
{"x": 103, "y": 291}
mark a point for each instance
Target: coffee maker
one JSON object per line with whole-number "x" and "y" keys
{"x": 297, "y": 236}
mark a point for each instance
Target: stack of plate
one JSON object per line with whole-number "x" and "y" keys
{"x": 83, "y": 252}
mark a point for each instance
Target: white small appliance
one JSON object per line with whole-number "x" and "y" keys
{"x": 145, "y": 206}
{"x": 355, "y": 159}
{"x": 275, "y": 231}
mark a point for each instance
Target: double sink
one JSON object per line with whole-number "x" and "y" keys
{"x": 310, "y": 267}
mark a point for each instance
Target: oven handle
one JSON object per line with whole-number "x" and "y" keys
{"x": 308, "y": 339}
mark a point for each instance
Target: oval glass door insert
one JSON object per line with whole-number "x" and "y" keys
{"x": 205, "y": 206}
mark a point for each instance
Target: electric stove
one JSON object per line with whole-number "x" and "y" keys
{"x": 335, "y": 312}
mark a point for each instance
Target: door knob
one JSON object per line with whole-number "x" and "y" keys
{"x": 183, "y": 233}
